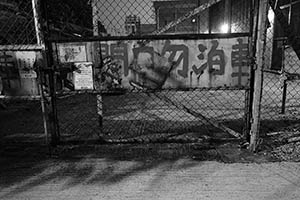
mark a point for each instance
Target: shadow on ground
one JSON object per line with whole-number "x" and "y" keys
{"x": 24, "y": 167}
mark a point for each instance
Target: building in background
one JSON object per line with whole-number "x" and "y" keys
{"x": 169, "y": 11}
{"x": 277, "y": 39}
{"x": 132, "y": 25}
{"x": 221, "y": 17}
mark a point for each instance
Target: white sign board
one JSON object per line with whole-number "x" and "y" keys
{"x": 218, "y": 62}
{"x": 83, "y": 76}
{"x": 69, "y": 52}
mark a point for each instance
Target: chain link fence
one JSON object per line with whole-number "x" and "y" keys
{"x": 280, "y": 108}
{"x": 148, "y": 112}
{"x": 87, "y": 18}
{"x": 21, "y": 113}
{"x": 21, "y": 121}
{"x": 159, "y": 116}
{"x": 18, "y": 24}
{"x": 281, "y": 91}
{"x": 142, "y": 115}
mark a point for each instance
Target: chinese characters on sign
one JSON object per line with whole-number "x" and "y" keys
{"x": 157, "y": 64}
{"x": 180, "y": 63}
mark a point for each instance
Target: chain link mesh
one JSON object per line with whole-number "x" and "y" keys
{"x": 163, "y": 115}
{"x": 159, "y": 116}
{"x": 21, "y": 121}
{"x": 86, "y": 18}
{"x": 280, "y": 109}
{"x": 17, "y": 24}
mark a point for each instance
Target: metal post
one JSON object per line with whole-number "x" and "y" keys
{"x": 283, "y": 97}
{"x": 252, "y": 52}
{"x": 258, "y": 75}
{"x": 99, "y": 96}
{"x": 40, "y": 57}
{"x": 37, "y": 24}
{"x": 284, "y": 87}
{"x": 55, "y": 136}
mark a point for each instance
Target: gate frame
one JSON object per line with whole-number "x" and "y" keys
{"x": 250, "y": 91}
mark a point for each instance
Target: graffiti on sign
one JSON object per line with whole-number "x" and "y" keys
{"x": 111, "y": 73}
{"x": 72, "y": 53}
{"x": 240, "y": 62}
{"x": 176, "y": 63}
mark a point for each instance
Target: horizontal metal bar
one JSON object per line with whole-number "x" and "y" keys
{"x": 289, "y": 4}
{"x": 25, "y": 47}
{"x": 3, "y": 97}
{"x": 124, "y": 91}
{"x": 272, "y": 71}
{"x": 153, "y": 37}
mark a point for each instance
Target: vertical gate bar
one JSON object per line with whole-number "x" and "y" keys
{"x": 283, "y": 97}
{"x": 40, "y": 58}
{"x": 252, "y": 46}
{"x": 37, "y": 23}
{"x": 52, "y": 83}
{"x": 41, "y": 91}
{"x": 284, "y": 89}
{"x": 100, "y": 112}
{"x": 247, "y": 117}
{"x": 258, "y": 79}
{"x": 99, "y": 96}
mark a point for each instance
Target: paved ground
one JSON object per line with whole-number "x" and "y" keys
{"x": 162, "y": 171}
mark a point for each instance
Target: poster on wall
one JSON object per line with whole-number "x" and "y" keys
{"x": 69, "y": 52}
{"x": 83, "y": 76}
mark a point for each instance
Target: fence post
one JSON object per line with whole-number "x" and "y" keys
{"x": 40, "y": 63}
{"x": 258, "y": 75}
{"x": 99, "y": 60}
{"x": 50, "y": 68}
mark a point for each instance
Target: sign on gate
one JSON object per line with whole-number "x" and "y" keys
{"x": 72, "y": 52}
{"x": 160, "y": 64}
{"x": 83, "y": 76}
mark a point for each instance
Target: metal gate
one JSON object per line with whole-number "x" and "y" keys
{"x": 149, "y": 71}
{"x": 21, "y": 108}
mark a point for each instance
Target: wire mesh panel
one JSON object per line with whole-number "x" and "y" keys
{"x": 174, "y": 115}
{"x": 17, "y": 24}
{"x": 86, "y": 18}
{"x": 21, "y": 121}
{"x": 22, "y": 118}
{"x": 78, "y": 118}
{"x": 161, "y": 116}
{"x": 143, "y": 87}
{"x": 281, "y": 91}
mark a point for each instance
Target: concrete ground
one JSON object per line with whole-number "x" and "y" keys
{"x": 156, "y": 172}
